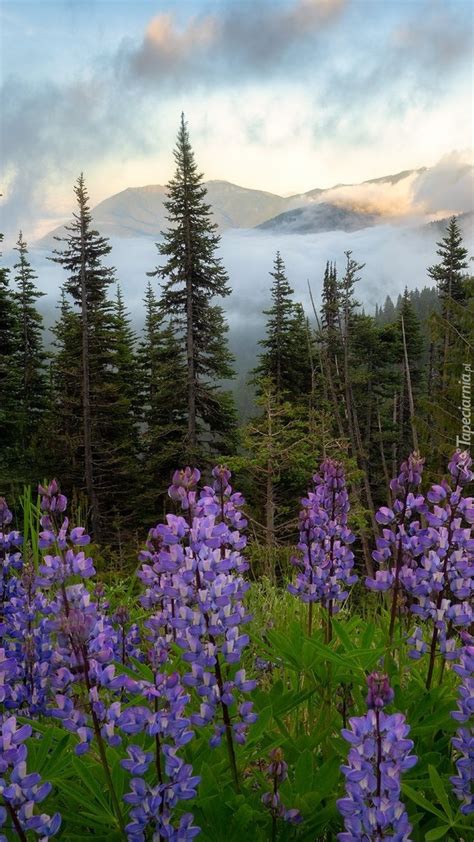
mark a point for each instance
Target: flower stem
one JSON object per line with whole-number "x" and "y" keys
{"x": 398, "y": 565}
{"x": 16, "y": 822}
{"x": 228, "y": 728}
{"x": 101, "y": 747}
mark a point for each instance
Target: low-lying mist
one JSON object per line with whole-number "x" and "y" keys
{"x": 395, "y": 256}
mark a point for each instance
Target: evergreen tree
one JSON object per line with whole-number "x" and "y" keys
{"x": 163, "y": 392}
{"x": 331, "y": 300}
{"x": 285, "y": 359}
{"x": 449, "y": 273}
{"x": 10, "y": 376}
{"x": 87, "y": 283}
{"x": 117, "y": 420}
{"x": 63, "y": 442}
{"x": 31, "y": 394}
{"x": 193, "y": 277}
{"x": 278, "y": 448}
{"x": 349, "y": 316}
{"x": 450, "y": 278}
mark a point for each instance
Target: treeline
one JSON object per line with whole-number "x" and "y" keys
{"x": 112, "y": 414}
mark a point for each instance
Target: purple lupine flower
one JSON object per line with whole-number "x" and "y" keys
{"x": 51, "y": 498}
{"x": 5, "y": 514}
{"x": 463, "y": 742}
{"x": 24, "y": 638}
{"x": 401, "y": 540}
{"x": 183, "y": 485}
{"x": 8, "y": 540}
{"x": 192, "y": 573}
{"x": 277, "y": 772}
{"x": 379, "y": 753}
{"x": 439, "y": 578}
{"x": 165, "y": 722}
{"x": 325, "y": 566}
{"x": 21, "y": 791}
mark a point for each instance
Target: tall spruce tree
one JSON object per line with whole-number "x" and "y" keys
{"x": 87, "y": 283}
{"x": 193, "y": 278}
{"x": 285, "y": 358}
{"x": 31, "y": 396}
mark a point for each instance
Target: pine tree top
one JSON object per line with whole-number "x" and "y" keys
{"x": 190, "y": 243}
{"x": 83, "y": 252}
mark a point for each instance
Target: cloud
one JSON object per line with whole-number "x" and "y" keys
{"x": 234, "y": 44}
{"x": 355, "y": 79}
{"x": 51, "y": 131}
{"x": 447, "y": 187}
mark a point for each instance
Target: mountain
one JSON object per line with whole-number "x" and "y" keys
{"x": 318, "y": 217}
{"x": 438, "y": 227}
{"x": 140, "y": 212}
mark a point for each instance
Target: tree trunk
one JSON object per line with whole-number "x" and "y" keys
{"x": 191, "y": 379}
{"x": 86, "y": 396}
{"x": 394, "y": 445}
{"x": 269, "y": 498}
{"x": 354, "y": 428}
{"x": 382, "y": 456}
{"x": 326, "y": 364}
{"x": 411, "y": 403}
{"x": 446, "y": 315}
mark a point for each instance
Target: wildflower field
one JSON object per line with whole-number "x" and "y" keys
{"x": 190, "y": 701}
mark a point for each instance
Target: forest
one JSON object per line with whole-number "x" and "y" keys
{"x": 218, "y": 626}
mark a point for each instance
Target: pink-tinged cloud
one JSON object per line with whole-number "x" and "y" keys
{"x": 256, "y": 39}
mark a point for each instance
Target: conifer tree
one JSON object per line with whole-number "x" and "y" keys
{"x": 349, "y": 307}
{"x": 117, "y": 421}
{"x": 331, "y": 300}
{"x": 193, "y": 277}
{"x": 87, "y": 283}
{"x": 285, "y": 358}
{"x": 10, "y": 375}
{"x": 31, "y": 394}
{"x": 63, "y": 429}
{"x": 163, "y": 393}
{"x": 449, "y": 276}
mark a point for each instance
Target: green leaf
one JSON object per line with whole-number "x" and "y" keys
{"x": 440, "y": 791}
{"x": 262, "y": 724}
{"x": 420, "y": 799}
{"x": 438, "y": 832}
{"x": 343, "y": 636}
{"x": 304, "y": 773}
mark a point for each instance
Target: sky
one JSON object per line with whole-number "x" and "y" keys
{"x": 280, "y": 95}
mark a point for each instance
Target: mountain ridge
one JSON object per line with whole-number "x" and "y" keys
{"x": 140, "y": 212}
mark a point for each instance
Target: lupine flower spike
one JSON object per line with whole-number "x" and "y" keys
{"x": 463, "y": 742}
{"x": 379, "y": 753}
{"x": 326, "y": 561}
{"x": 399, "y": 537}
{"x": 192, "y": 572}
